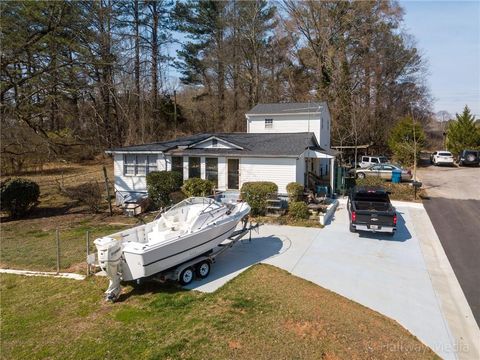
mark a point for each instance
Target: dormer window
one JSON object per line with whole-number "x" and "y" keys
{"x": 268, "y": 123}
{"x": 214, "y": 142}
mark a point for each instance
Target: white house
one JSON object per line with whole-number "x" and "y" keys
{"x": 231, "y": 159}
{"x": 293, "y": 117}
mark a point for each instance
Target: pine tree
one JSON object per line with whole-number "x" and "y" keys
{"x": 463, "y": 134}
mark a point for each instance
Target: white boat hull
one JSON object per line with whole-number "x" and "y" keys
{"x": 138, "y": 265}
{"x": 170, "y": 241}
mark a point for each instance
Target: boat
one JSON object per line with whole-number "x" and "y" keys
{"x": 189, "y": 229}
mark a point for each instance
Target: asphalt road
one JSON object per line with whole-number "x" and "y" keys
{"x": 454, "y": 209}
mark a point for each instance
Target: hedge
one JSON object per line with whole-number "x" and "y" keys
{"x": 198, "y": 187}
{"x": 298, "y": 210}
{"x": 294, "y": 191}
{"x": 160, "y": 184}
{"x": 18, "y": 196}
{"x": 256, "y": 195}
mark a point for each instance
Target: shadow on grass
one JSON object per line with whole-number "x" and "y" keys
{"x": 150, "y": 286}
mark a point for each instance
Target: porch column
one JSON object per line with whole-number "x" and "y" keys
{"x": 185, "y": 167}
{"x": 203, "y": 172}
{"x": 332, "y": 174}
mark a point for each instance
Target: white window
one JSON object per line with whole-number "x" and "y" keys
{"x": 268, "y": 123}
{"x": 139, "y": 165}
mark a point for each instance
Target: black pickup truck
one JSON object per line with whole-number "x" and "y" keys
{"x": 370, "y": 210}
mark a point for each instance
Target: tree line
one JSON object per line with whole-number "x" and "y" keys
{"x": 78, "y": 77}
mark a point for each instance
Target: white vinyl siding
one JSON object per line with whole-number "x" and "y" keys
{"x": 133, "y": 183}
{"x": 286, "y": 124}
{"x": 300, "y": 170}
{"x": 318, "y": 123}
{"x": 278, "y": 170}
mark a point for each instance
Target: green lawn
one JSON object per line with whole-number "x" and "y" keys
{"x": 264, "y": 313}
{"x": 30, "y": 243}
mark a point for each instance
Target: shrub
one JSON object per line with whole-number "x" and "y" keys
{"x": 257, "y": 193}
{"x": 160, "y": 184}
{"x": 198, "y": 187}
{"x": 89, "y": 193}
{"x": 298, "y": 210}
{"x": 370, "y": 181}
{"x": 18, "y": 196}
{"x": 176, "y": 196}
{"x": 295, "y": 191}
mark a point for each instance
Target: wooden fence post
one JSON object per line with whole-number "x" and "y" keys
{"x": 57, "y": 237}
{"x": 107, "y": 188}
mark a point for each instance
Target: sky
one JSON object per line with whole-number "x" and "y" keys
{"x": 448, "y": 35}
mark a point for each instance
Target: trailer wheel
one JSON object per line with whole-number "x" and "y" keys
{"x": 186, "y": 276}
{"x": 203, "y": 269}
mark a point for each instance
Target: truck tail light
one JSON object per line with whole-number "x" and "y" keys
{"x": 395, "y": 219}
{"x": 354, "y": 216}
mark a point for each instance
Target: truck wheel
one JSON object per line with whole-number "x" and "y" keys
{"x": 203, "y": 269}
{"x": 186, "y": 276}
{"x": 361, "y": 175}
{"x": 352, "y": 228}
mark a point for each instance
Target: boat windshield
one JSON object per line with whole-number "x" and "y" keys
{"x": 207, "y": 202}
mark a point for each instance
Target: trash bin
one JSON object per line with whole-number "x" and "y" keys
{"x": 396, "y": 176}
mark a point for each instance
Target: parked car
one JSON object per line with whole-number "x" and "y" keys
{"x": 366, "y": 161}
{"x": 469, "y": 157}
{"x": 382, "y": 170}
{"x": 370, "y": 210}
{"x": 441, "y": 157}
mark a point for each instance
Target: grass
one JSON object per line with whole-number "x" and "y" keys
{"x": 30, "y": 243}
{"x": 265, "y": 313}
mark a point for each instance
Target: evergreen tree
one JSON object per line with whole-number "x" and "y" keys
{"x": 463, "y": 134}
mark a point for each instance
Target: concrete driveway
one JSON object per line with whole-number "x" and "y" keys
{"x": 407, "y": 277}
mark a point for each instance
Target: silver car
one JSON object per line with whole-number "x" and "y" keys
{"x": 383, "y": 171}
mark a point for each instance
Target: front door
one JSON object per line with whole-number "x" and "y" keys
{"x": 233, "y": 173}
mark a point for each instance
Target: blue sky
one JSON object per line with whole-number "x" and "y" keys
{"x": 448, "y": 35}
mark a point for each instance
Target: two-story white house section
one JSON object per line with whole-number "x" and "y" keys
{"x": 292, "y": 117}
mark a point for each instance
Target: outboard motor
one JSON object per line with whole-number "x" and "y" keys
{"x": 109, "y": 258}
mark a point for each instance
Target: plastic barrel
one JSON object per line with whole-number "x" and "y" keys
{"x": 396, "y": 176}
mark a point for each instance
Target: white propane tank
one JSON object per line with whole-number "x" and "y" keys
{"x": 109, "y": 257}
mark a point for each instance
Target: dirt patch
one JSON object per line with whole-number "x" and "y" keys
{"x": 305, "y": 328}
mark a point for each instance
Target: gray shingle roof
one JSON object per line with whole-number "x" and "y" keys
{"x": 286, "y": 108}
{"x": 253, "y": 144}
